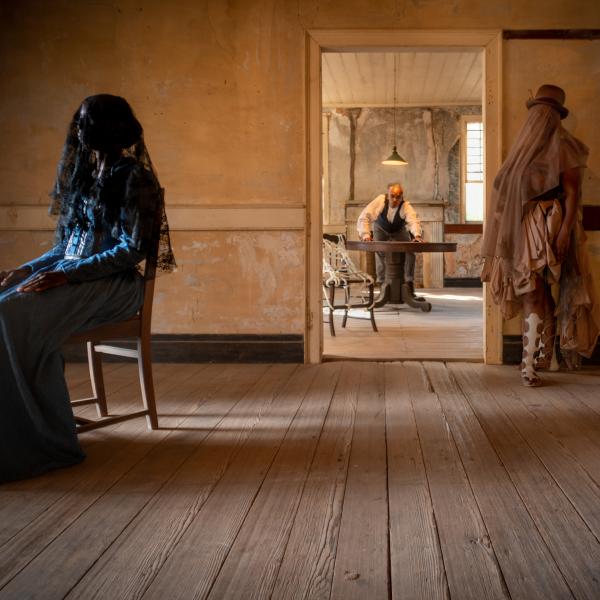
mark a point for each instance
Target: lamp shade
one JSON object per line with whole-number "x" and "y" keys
{"x": 394, "y": 159}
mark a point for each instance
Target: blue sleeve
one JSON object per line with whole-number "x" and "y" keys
{"x": 139, "y": 203}
{"x": 53, "y": 255}
{"x": 121, "y": 257}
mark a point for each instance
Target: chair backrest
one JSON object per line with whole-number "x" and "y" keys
{"x": 150, "y": 269}
{"x": 337, "y": 264}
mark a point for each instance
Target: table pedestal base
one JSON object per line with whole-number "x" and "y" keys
{"x": 387, "y": 295}
{"x": 394, "y": 290}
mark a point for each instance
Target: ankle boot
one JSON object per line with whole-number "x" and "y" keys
{"x": 532, "y": 328}
{"x": 546, "y": 359}
{"x": 411, "y": 290}
{"x": 572, "y": 359}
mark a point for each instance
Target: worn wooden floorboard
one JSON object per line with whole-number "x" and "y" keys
{"x": 248, "y": 574}
{"x": 207, "y": 542}
{"x": 307, "y": 566}
{"x": 524, "y": 558}
{"x": 361, "y": 563}
{"x": 451, "y": 331}
{"x": 583, "y": 385}
{"x": 416, "y": 564}
{"x": 105, "y": 514}
{"x": 38, "y": 541}
{"x": 557, "y": 435}
{"x": 341, "y": 480}
{"x": 471, "y": 565}
{"x": 23, "y": 502}
{"x": 160, "y": 525}
{"x": 573, "y": 546}
{"x": 120, "y": 505}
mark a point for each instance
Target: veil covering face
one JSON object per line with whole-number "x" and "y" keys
{"x": 542, "y": 151}
{"x": 107, "y": 123}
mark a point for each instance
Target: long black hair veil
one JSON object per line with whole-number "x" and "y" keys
{"x": 108, "y": 121}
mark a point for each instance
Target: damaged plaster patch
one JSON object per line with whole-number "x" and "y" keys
{"x": 195, "y": 246}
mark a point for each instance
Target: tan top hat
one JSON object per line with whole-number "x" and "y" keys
{"x": 550, "y": 95}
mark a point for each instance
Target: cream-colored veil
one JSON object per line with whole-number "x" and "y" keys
{"x": 542, "y": 151}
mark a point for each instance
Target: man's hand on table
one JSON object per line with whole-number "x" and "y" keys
{"x": 366, "y": 237}
{"x": 418, "y": 239}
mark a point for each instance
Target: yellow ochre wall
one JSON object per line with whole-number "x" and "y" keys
{"x": 219, "y": 87}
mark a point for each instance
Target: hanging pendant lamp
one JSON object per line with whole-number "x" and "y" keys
{"x": 394, "y": 158}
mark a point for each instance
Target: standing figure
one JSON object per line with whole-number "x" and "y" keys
{"x": 534, "y": 242}
{"x": 110, "y": 212}
{"x": 390, "y": 217}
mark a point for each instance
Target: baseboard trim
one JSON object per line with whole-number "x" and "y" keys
{"x": 512, "y": 348}
{"x": 467, "y": 282}
{"x": 184, "y": 348}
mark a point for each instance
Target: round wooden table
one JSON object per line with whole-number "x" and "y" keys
{"x": 394, "y": 290}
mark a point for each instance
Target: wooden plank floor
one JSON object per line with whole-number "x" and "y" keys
{"x": 341, "y": 480}
{"x": 453, "y": 330}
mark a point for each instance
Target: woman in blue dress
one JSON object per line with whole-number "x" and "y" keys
{"x": 108, "y": 202}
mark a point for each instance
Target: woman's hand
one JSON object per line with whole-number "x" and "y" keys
{"x": 13, "y": 275}
{"x": 561, "y": 245}
{"x": 44, "y": 281}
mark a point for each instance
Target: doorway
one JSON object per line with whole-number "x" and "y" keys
{"x": 383, "y": 45}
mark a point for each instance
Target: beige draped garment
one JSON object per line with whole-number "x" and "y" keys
{"x": 520, "y": 232}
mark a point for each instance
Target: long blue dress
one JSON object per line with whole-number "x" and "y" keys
{"x": 37, "y": 428}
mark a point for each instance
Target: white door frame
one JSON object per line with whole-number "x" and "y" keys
{"x": 356, "y": 40}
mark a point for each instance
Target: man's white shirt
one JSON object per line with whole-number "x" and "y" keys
{"x": 371, "y": 213}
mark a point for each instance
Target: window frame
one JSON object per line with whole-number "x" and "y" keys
{"x": 464, "y": 119}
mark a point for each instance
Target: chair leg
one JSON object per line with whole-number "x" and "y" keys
{"x": 146, "y": 381}
{"x": 371, "y": 313}
{"x": 347, "y": 302}
{"x": 331, "y": 291}
{"x": 97, "y": 380}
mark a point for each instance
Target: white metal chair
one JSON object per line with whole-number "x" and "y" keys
{"x": 339, "y": 272}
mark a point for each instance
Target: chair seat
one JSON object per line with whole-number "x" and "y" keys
{"x": 131, "y": 327}
{"x": 345, "y": 280}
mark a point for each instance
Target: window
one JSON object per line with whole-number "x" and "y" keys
{"x": 472, "y": 170}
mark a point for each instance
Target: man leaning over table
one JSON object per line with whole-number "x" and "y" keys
{"x": 391, "y": 218}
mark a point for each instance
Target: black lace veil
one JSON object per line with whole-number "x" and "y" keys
{"x": 107, "y": 122}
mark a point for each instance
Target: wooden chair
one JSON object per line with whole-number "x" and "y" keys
{"x": 339, "y": 272}
{"x": 136, "y": 328}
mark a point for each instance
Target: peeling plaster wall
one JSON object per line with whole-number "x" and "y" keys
{"x": 466, "y": 261}
{"x": 220, "y": 89}
{"x": 426, "y": 138}
{"x": 226, "y": 281}
{"x": 339, "y": 167}
{"x": 244, "y": 268}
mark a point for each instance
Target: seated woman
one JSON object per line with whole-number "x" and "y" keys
{"x": 110, "y": 212}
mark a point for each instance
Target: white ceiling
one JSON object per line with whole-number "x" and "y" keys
{"x": 423, "y": 78}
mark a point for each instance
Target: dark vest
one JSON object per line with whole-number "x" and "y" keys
{"x": 396, "y": 225}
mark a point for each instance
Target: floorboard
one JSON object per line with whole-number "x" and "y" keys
{"x": 525, "y": 560}
{"x": 471, "y": 565}
{"x": 573, "y": 546}
{"x": 396, "y": 480}
{"x": 416, "y": 563}
{"x": 361, "y": 564}
{"x": 268, "y": 522}
{"x": 453, "y": 330}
